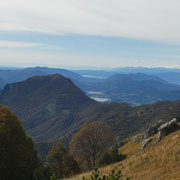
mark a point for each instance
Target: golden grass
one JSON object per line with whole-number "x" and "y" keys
{"x": 157, "y": 162}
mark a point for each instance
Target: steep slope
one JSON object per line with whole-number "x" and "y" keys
{"x": 173, "y": 77}
{"x": 137, "y": 120}
{"x": 158, "y": 161}
{"x": 46, "y": 104}
{"x": 2, "y": 83}
{"x": 52, "y": 107}
{"x": 17, "y": 75}
{"x": 134, "y": 88}
{"x": 64, "y": 72}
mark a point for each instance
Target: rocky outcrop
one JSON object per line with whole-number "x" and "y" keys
{"x": 118, "y": 145}
{"x": 146, "y": 142}
{"x": 153, "y": 129}
{"x": 166, "y": 129}
{"x": 163, "y": 129}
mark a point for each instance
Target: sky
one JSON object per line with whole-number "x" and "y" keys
{"x": 90, "y": 33}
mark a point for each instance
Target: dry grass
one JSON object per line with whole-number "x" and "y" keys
{"x": 157, "y": 162}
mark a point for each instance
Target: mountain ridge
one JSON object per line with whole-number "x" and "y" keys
{"x": 53, "y": 108}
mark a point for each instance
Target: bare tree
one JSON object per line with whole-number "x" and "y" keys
{"x": 91, "y": 141}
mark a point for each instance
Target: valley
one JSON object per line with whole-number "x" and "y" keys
{"x": 133, "y": 86}
{"x": 52, "y": 108}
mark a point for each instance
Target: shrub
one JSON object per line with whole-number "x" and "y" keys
{"x": 114, "y": 175}
{"x": 18, "y": 155}
{"x": 111, "y": 157}
{"x": 61, "y": 163}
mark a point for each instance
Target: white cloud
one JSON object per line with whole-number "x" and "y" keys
{"x": 16, "y": 44}
{"x": 146, "y": 19}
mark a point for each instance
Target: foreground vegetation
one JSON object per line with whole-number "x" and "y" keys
{"x": 157, "y": 162}
{"x": 19, "y": 158}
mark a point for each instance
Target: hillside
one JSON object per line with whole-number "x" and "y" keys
{"x": 158, "y": 161}
{"x": 135, "y": 89}
{"x": 2, "y": 83}
{"x": 173, "y": 77}
{"x": 109, "y": 86}
{"x": 46, "y": 104}
{"x": 17, "y": 75}
{"x": 13, "y": 75}
{"x": 64, "y": 72}
{"x": 53, "y": 108}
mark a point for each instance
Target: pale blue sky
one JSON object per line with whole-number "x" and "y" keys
{"x": 102, "y": 33}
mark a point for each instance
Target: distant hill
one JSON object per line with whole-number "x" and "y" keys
{"x": 2, "y": 83}
{"x": 135, "y": 89}
{"x": 134, "y": 76}
{"x": 111, "y": 86}
{"x": 168, "y": 74}
{"x": 63, "y": 72}
{"x": 158, "y": 161}
{"x": 46, "y": 104}
{"x": 173, "y": 77}
{"x": 53, "y": 108}
{"x": 10, "y": 76}
{"x": 17, "y": 75}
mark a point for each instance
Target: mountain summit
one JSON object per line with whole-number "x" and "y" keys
{"x": 45, "y": 102}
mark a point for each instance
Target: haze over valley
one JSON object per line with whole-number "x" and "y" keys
{"x": 89, "y": 90}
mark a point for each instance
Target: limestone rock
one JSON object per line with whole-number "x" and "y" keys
{"x": 166, "y": 129}
{"x": 146, "y": 142}
{"x": 153, "y": 129}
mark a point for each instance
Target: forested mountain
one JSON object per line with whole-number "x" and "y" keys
{"x": 110, "y": 86}
{"x": 135, "y": 89}
{"x": 17, "y": 75}
{"x": 52, "y": 107}
{"x": 46, "y": 104}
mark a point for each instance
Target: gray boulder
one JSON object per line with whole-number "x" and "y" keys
{"x": 153, "y": 129}
{"x": 146, "y": 142}
{"x": 166, "y": 129}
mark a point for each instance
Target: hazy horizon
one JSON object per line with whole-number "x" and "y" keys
{"x": 88, "y": 33}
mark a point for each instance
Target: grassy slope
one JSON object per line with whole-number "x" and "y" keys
{"x": 157, "y": 162}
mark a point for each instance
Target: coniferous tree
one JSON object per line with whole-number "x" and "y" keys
{"x": 18, "y": 156}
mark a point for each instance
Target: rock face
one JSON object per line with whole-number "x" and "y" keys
{"x": 153, "y": 129}
{"x": 163, "y": 129}
{"x": 146, "y": 142}
{"x": 166, "y": 129}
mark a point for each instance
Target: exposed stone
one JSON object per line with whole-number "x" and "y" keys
{"x": 137, "y": 138}
{"x": 174, "y": 137}
{"x": 118, "y": 145}
{"x": 166, "y": 129}
{"x": 146, "y": 142}
{"x": 153, "y": 129}
{"x": 158, "y": 138}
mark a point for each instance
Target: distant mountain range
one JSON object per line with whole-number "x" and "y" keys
{"x": 53, "y": 108}
{"x": 168, "y": 74}
{"x": 135, "y": 89}
{"x": 118, "y": 85}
